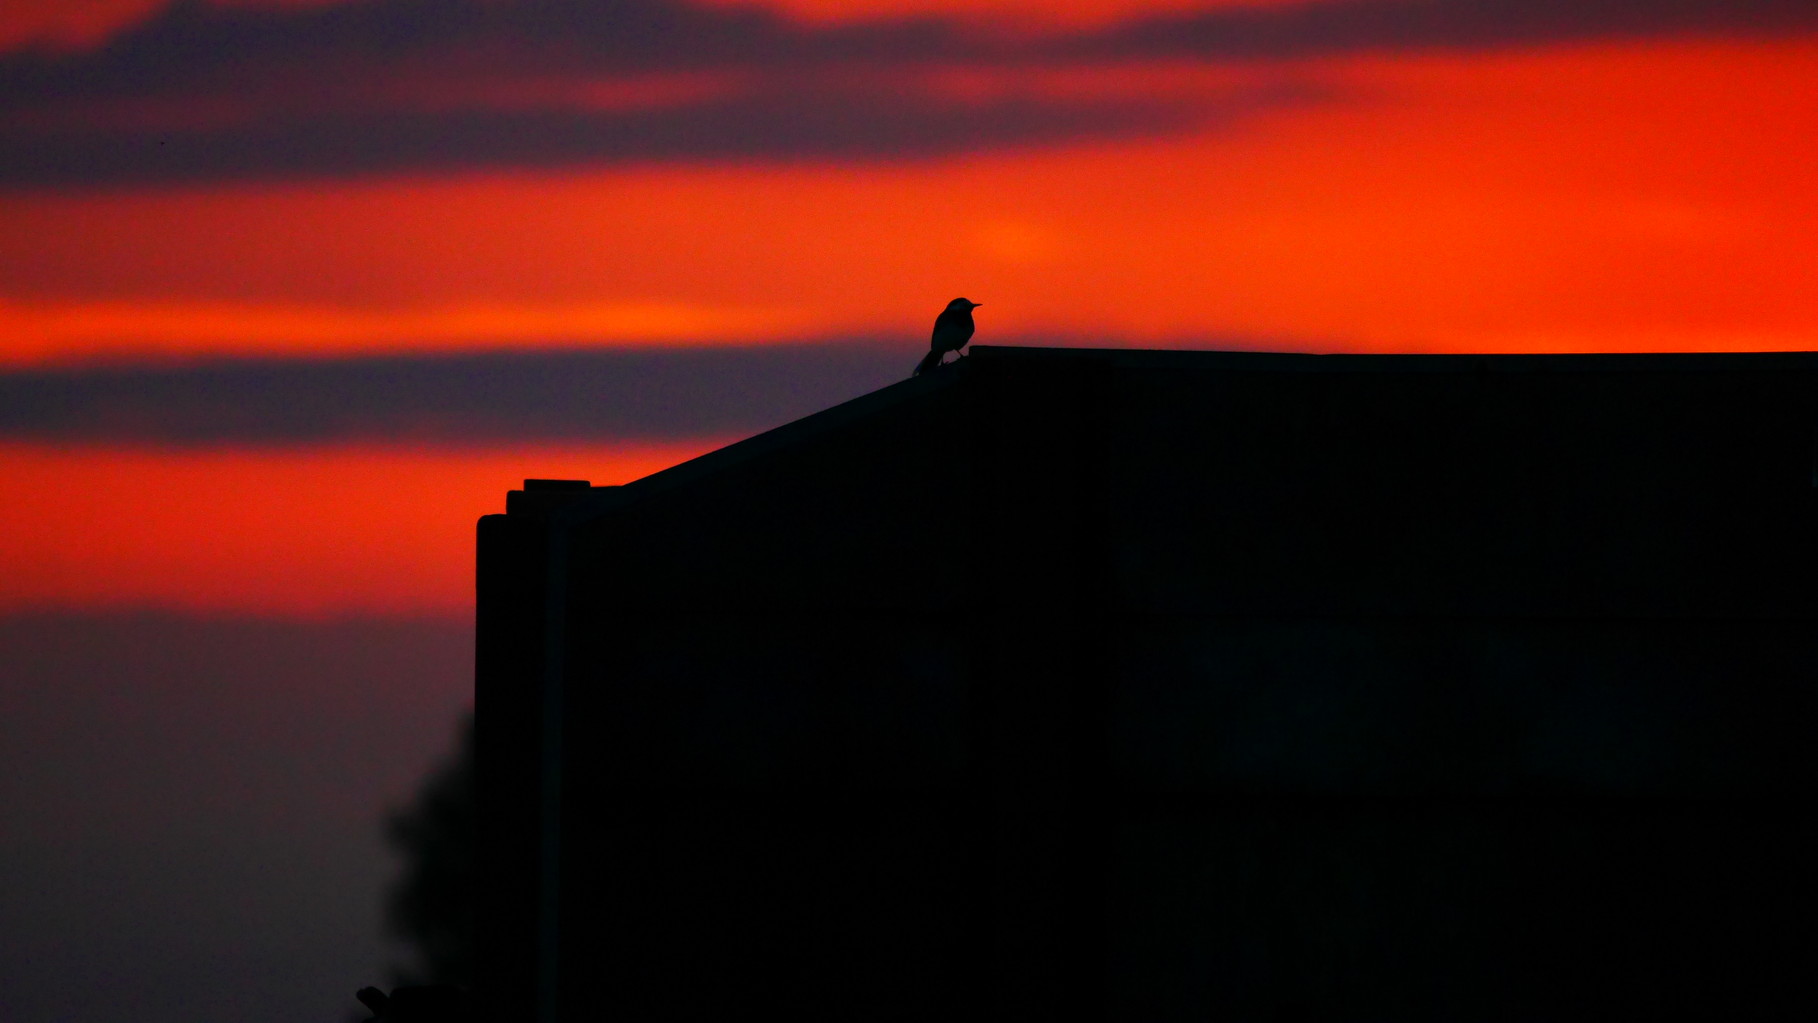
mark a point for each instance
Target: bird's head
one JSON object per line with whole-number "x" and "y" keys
{"x": 963, "y": 304}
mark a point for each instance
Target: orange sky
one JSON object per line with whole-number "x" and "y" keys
{"x": 1621, "y": 196}
{"x": 312, "y": 533}
{"x": 247, "y": 261}
{"x": 1640, "y": 197}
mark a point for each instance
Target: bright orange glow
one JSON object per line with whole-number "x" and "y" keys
{"x": 1592, "y": 198}
{"x": 310, "y": 533}
{"x": 1568, "y": 199}
{"x": 47, "y": 332}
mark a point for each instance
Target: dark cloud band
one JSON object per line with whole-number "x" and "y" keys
{"x": 1349, "y": 26}
{"x": 550, "y": 395}
{"x": 874, "y": 125}
{"x": 199, "y": 93}
{"x": 540, "y": 395}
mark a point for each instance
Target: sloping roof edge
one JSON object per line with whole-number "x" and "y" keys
{"x": 605, "y": 499}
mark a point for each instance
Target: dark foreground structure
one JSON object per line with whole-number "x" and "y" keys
{"x": 1072, "y": 684}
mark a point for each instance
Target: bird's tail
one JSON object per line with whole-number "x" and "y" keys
{"x": 929, "y": 361}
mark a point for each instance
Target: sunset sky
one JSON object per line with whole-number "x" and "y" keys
{"x": 291, "y": 291}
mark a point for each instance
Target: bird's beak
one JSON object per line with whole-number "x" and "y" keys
{"x": 975, "y": 305}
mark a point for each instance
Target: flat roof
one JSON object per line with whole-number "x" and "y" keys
{"x": 604, "y": 499}
{"x": 1305, "y": 362}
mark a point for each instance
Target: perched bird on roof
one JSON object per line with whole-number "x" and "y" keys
{"x": 952, "y": 329}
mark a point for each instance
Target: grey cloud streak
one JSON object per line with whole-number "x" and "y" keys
{"x": 776, "y": 124}
{"x": 1352, "y": 26}
{"x": 290, "y": 93}
{"x": 504, "y": 397}
{"x": 500, "y": 397}
{"x": 312, "y": 92}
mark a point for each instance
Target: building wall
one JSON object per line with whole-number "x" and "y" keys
{"x": 1154, "y": 686}
{"x": 1470, "y": 692}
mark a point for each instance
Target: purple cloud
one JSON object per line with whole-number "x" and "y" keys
{"x": 201, "y": 93}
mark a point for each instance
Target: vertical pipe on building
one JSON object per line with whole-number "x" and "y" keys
{"x": 521, "y": 612}
{"x": 549, "y": 835}
{"x": 510, "y": 589}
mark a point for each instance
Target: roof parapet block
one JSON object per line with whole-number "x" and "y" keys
{"x": 541, "y": 497}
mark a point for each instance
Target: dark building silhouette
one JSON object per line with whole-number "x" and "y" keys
{"x": 1074, "y": 684}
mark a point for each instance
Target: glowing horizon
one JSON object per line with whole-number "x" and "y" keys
{"x": 314, "y": 533}
{"x": 1281, "y": 175}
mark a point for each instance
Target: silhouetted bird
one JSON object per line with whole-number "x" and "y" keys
{"x": 952, "y": 329}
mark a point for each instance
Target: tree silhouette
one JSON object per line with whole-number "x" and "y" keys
{"x": 431, "y": 905}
